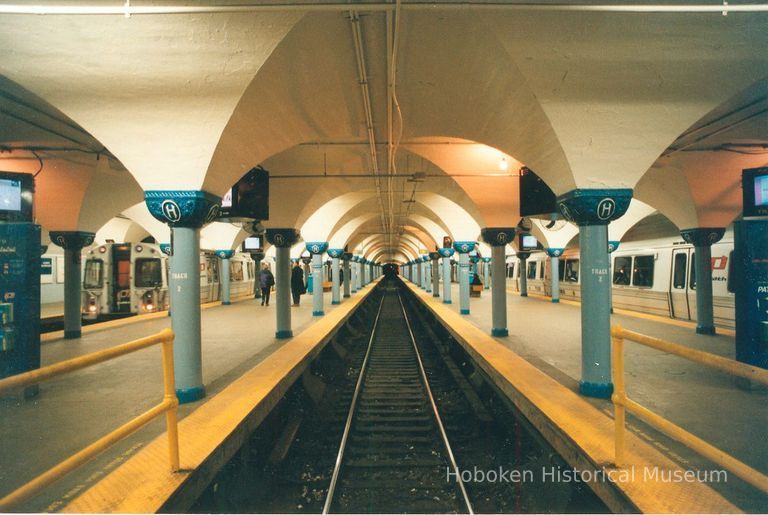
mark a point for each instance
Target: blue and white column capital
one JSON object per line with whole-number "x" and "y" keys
{"x": 166, "y": 249}
{"x": 446, "y": 253}
{"x": 613, "y": 246}
{"x": 497, "y": 236}
{"x": 554, "y": 252}
{"x": 283, "y": 238}
{"x": 224, "y": 254}
{"x": 486, "y": 259}
{"x": 464, "y": 247}
{"x": 335, "y": 253}
{"x": 183, "y": 208}
{"x": 317, "y": 247}
{"x": 597, "y": 206}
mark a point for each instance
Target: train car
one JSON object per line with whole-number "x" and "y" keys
{"x": 124, "y": 279}
{"x": 650, "y": 276}
{"x": 127, "y": 278}
{"x": 51, "y": 284}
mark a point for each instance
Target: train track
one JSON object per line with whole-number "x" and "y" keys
{"x": 394, "y": 454}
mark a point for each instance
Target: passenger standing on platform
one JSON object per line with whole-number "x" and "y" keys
{"x": 266, "y": 281}
{"x": 297, "y": 283}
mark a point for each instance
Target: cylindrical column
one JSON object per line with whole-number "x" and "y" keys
{"x": 498, "y": 292}
{"x": 464, "y": 283}
{"x": 702, "y": 239}
{"x": 335, "y": 276}
{"x": 225, "y": 255}
{"x": 592, "y": 210}
{"x": 72, "y": 242}
{"x": 317, "y": 285}
{"x": 186, "y": 211}
{"x": 487, "y": 272}
{"x": 257, "y": 257}
{"x": 554, "y": 272}
{"x": 72, "y": 280}
{"x": 419, "y": 273}
{"x": 595, "y": 307}
{"x": 523, "y": 273}
{"x": 184, "y": 287}
{"x": 347, "y": 275}
{"x": 446, "y": 254}
{"x": 316, "y": 249}
{"x": 434, "y": 256}
{"x": 427, "y": 274}
{"x": 464, "y": 248}
{"x": 283, "y": 292}
{"x": 498, "y": 238}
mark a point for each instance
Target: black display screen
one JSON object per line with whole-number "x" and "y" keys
{"x": 248, "y": 198}
{"x": 16, "y": 196}
{"x": 754, "y": 182}
{"x": 536, "y": 198}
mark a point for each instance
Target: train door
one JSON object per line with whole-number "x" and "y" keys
{"x": 121, "y": 279}
{"x": 679, "y": 287}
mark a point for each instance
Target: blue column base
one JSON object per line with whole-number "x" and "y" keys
{"x": 69, "y": 335}
{"x": 318, "y": 313}
{"x": 464, "y": 311}
{"x": 599, "y": 390}
{"x": 346, "y": 296}
{"x": 447, "y": 302}
{"x": 334, "y": 302}
{"x": 499, "y": 332}
{"x": 436, "y": 295}
{"x": 225, "y": 303}
{"x": 284, "y": 334}
{"x": 188, "y": 395}
{"x": 555, "y": 301}
{"x": 705, "y": 330}
{"x": 523, "y": 294}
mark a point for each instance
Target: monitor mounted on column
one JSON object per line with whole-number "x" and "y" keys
{"x": 754, "y": 183}
{"x": 16, "y": 196}
{"x": 253, "y": 244}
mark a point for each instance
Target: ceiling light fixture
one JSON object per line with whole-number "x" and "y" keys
{"x": 503, "y": 164}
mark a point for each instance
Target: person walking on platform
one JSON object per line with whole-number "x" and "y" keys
{"x": 266, "y": 281}
{"x": 297, "y": 283}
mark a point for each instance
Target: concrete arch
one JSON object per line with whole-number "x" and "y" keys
{"x": 342, "y": 236}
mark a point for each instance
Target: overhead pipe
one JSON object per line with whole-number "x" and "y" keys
{"x": 130, "y": 10}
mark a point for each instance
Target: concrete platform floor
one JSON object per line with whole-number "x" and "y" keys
{"x": 74, "y": 410}
{"x": 702, "y": 400}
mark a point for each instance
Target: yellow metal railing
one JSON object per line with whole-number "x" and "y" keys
{"x": 622, "y": 403}
{"x": 167, "y": 406}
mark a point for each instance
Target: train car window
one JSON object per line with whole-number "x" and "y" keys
{"x": 149, "y": 273}
{"x": 560, "y": 269}
{"x": 123, "y": 274}
{"x": 215, "y": 270}
{"x": 642, "y": 274}
{"x": 571, "y": 271}
{"x": 731, "y": 288}
{"x": 510, "y": 270}
{"x": 622, "y": 270}
{"x": 678, "y": 274}
{"x": 94, "y": 274}
{"x": 542, "y": 270}
{"x": 532, "y": 270}
{"x": 692, "y": 282}
{"x": 236, "y": 270}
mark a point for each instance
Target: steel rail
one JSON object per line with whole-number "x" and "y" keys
{"x": 439, "y": 421}
{"x": 350, "y": 416}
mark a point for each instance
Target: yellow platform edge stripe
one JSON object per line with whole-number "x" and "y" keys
{"x": 581, "y": 433}
{"x": 208, "y": 436}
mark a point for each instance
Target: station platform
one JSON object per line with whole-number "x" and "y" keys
{"x": 702, "y": 400}
{"x": 70, "y": 413}
{"x": 76, "y": 409}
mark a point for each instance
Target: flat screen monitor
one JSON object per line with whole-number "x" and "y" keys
{"x": 528, "y": 242}
{"x": 252, "y": 244}
{"x": 755, "y": 191}
{"x": 248, "y": 199}
{"x": 16, "y": 195}
{"x": 536, "y": 198}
